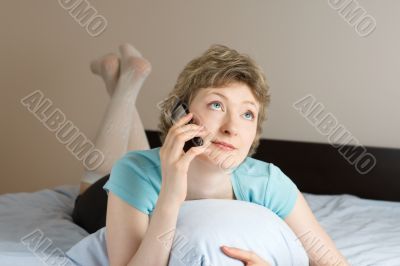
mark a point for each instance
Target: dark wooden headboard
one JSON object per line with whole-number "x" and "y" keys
{"x": 320, "y": 168}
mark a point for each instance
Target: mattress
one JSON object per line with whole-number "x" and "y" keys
{"x": 37, "y": 228}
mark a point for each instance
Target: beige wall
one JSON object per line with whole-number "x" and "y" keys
{"x": 304, "y": 47}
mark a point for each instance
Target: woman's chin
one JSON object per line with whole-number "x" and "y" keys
{"x": 226, "y": 164}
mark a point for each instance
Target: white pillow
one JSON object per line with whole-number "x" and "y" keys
{"x": 205, "y": 225}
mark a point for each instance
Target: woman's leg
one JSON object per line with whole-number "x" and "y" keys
{"x": 121, "y": 129}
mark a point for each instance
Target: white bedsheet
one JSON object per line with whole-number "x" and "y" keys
{"x": 40, "y": 222}
{"x": 366, "y": 231}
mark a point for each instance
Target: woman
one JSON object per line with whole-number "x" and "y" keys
{"x": 227, "y": 97}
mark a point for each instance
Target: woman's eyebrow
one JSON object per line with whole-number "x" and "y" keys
{"x": 223, "y": 96}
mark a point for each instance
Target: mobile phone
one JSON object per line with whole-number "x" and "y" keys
{"x": 181, "y": 109}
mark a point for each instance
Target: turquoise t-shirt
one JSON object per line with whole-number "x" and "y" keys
{"x": 136, "y": 179}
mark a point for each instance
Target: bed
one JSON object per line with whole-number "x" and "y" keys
{"x": 361, "y": 212}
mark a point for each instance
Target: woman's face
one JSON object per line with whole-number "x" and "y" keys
{"x": 230, "y": 115}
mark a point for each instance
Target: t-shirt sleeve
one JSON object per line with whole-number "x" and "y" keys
{"x": 281, "y": 192}
{"x": 130, "y": 183}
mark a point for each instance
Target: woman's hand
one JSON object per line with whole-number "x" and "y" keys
{"x": 175, "y": 162}
{"x": 249, "y": 258}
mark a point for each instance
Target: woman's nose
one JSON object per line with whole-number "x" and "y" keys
{"x": 229, "y": 126}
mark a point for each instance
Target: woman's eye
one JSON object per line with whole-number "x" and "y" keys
{"x": 213, "y": 104}
{"x": 251, "y": 115}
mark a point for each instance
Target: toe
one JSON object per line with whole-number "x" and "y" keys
{"x": 127, "y": 50}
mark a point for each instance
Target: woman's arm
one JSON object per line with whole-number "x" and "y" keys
{"x": 320, "y": 248}
{"x": 132, "y": 240}
{"x": 129, "y": 241}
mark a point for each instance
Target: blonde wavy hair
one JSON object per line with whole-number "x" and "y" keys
{"x": 217, "y": 67}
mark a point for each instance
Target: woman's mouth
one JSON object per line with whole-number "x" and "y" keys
{"x": 223, "y": 146}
